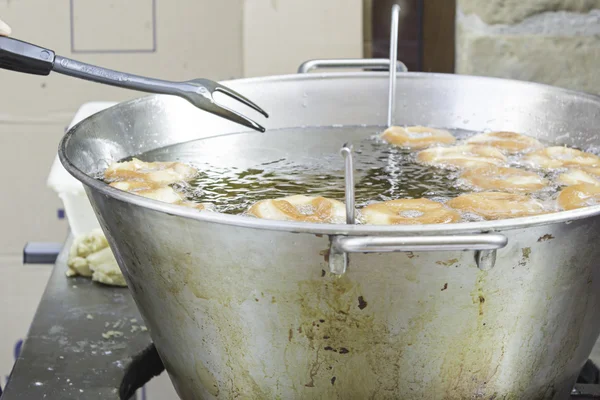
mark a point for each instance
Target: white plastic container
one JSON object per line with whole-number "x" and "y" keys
{"x": 78, "y": 210}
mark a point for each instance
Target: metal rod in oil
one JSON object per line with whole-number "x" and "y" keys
{"x": 349, "y": 183}
{"x": 393, "y": 62}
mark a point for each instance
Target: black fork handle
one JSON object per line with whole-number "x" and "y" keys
{"x": 16, "y": 55}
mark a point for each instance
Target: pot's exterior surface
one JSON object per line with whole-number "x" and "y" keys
{"x": 244, "y": 313}
{"x": 245, "y": 308}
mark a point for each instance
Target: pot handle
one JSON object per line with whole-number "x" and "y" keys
{"x": 484, "y": 245}
{"x": 383, "y": 244}
{"x": 349, "y": 63}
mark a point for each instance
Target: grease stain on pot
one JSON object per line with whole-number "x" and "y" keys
{"x": 362, "y": 304}
{"x": 412, "y": 275}
{"x": 447, "y": 263}
{"x": 470, "y": 364}
{"x": 325, "y": 255}
{"x": 478, "y": 294}
{"x": 231, "y": 338}
{"x": 357, "y": 348}
{"x": 228, "y": 336}
{"x": 545, "y": 238}
{"x": 207, "y": 379}
{"x": 525, "y": 254}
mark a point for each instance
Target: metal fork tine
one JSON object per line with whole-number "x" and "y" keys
{"x": 234, "y": 116}
{"x": 235, "y": 95}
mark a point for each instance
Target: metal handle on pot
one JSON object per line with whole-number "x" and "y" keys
{"x": 484, "y": 245}
{"x": 377, "y": 244}
{"x": 349, "y": 63}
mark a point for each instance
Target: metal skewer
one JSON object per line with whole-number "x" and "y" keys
{"x": 392, "y": 162}
{"x": 338, "y": 259}
{"x": 349, "y": 183}
{"x": 393, "y": 62}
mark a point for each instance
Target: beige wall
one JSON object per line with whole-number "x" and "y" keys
{"x": 281, "y": 34}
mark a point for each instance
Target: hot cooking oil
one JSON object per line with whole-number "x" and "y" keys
{"x": 238, "y": 170}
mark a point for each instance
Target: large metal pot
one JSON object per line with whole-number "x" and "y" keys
{"x": 247, "y": 308}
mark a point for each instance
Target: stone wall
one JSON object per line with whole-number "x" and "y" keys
{"x": 549, "y": 41}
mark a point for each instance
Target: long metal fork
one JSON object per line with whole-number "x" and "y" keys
{"x": 25, "y": 57}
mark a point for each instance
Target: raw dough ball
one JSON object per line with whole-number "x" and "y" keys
{"x": 90, "y": 256}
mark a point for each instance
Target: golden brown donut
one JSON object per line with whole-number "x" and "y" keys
{"x": 150, "y": 190}
{"x": 560, "y": 157}
{"x": 509, "y": 142}
{"x": 504, "y": 178}
{"x": 135, "y": 186}
{"x": 416, "y": 137}
{"x": 408, "y": 212}
{"x": 497, "y": 205}
{"x": 466, "y": 156}
{"x": 163, "y": 173}
{"x": 300, "y": 208}
{"x": 165, "y": 194}
{"x": 578, "y": 196}
{"x": 575, "y": 176}
{"x": 592, "y": 170}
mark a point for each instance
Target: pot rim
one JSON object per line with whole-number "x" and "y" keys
{"x": 318, "y": 228}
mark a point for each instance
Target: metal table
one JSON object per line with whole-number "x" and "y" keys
{"x": 65, "y": 355}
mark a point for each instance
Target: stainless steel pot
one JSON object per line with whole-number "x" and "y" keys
{"x": 247, "y": 308}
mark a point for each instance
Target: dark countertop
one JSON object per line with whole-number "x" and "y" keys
{"x": 65, "y": 355}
